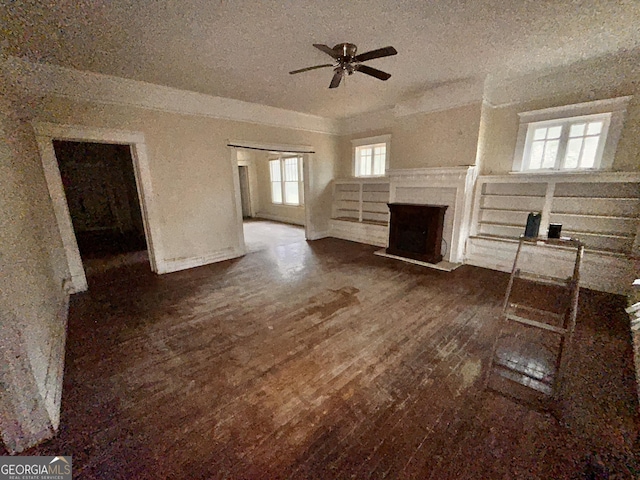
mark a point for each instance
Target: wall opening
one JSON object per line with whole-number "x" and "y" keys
{"x": 102, "y": 197}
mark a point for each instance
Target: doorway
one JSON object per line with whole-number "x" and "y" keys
{"x": 100, "y": 188}
{"x": 271, "y": 194}
{"x": 46, "y": 134}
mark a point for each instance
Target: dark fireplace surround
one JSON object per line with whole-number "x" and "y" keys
{"x": 415, "y": 231}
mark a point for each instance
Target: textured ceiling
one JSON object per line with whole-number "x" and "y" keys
{"x": 245, "y": 49}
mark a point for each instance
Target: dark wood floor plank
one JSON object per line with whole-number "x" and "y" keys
{"x": 321, "y": 360}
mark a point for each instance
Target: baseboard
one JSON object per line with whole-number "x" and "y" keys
{"x": 278, "y": 218}
{"x": 177, "y": 264}
{"x": 318, "y": 235}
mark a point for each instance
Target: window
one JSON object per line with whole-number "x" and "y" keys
{"x": 574, "y": 143}
{"x": 570, "y": 138}
{"x": 286, "y": 180}
{"x": 371, "y": 156}
{"x": 371, "y": 160}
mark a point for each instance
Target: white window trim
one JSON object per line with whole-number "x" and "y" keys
{"x": 612, "y": 109}
{"x": 360, "y": 142}
{"x": 281, "y": 159}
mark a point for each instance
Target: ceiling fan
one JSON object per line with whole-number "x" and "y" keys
{"x": 346, "y": 62}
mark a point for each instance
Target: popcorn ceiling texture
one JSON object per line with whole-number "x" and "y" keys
{"x": 244, "y": 50}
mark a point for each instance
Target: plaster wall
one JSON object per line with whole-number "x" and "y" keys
{"x": 267, "y": 209}
{"x": 191, "y": 172}
{"x": 444, "y": 138}
{"x": 32, "y": 298}
{"x": 599, "y": 78}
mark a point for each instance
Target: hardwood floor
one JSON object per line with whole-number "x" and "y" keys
{"x": 321, "y": 360}
{"x": 262, "y": 234}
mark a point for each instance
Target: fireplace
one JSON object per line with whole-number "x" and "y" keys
{"x": 415, "y": 231}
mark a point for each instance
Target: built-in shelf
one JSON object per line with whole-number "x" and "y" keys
{"x": 359, "y": 210}
{"x": 600, "y": 209}
{"x": 365, "y": 200}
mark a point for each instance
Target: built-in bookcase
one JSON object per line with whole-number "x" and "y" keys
{"x": 601, "y": 209}
{"x": 360, "y": 212}
{"x": 504, "y": 207}
{"x": 603, "y": 215}
{"x": 361, "y": 200}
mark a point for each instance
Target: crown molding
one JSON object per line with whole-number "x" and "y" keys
{"x": 45, "y": 79}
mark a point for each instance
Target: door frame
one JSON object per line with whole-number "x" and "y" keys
{"x": 306, "y": 151}
{"x": 46, "y": 133}
{"x": 245, "y": 164}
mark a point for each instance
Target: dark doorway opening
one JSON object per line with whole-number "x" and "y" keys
{"x": 100, "y": 186}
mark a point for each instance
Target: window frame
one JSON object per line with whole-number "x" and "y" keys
{"x": 281, "y": 159}
{"x": 371, "y": 142}
{"x": 565, "y": 125}
{"x": 610, "y": 111}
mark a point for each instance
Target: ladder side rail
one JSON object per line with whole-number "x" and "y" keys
{"x": 570, "y": 320}
{"x": 503, "y": 319}
{"x": 514, "y": 271}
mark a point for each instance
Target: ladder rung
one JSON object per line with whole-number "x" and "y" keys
{"x": 546, "y": 279}
{"x": 533, "y": 384}
{"x": 539, "y": 311}
{"x": 502, "y": 364}
{"x": 567, "y": 242}
{"x": 533, "y": 323}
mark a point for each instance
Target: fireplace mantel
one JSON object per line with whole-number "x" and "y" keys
{"x": 450, "y": 186}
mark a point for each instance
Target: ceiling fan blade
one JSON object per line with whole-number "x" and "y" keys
{"x": 335, "y": 81}
{"x": 326, "y": 49}
{"x": 379, "y": 53}
{"x": 311, "y": 68}
{"x": 374, "y": 72}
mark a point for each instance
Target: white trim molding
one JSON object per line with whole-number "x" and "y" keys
{"x": 451, "y": 186}
{"x": 614, "y": 109}
{"x": 177, "y": 264}
{"x": 280, "y": 218}
{"x": 45, "y": 134}
{"x": 360, "y": 142}
{"x": 45, "y": 79}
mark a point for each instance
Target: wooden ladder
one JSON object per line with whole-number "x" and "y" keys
{"x": 561, "y": 324}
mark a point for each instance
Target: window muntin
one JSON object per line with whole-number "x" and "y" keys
{"x": 574, "y": 143}
{"x": 286, "y": 181}
{"x": 371, "y": 160}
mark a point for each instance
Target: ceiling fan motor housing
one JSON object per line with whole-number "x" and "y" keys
{"x": 347, "y": 50}
{"x": 346, "y": 58}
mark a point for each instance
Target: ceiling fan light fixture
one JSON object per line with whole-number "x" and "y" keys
{"x": 347, "y": 61}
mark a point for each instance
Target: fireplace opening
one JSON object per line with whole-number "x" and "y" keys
{"x": 415, "y": 231}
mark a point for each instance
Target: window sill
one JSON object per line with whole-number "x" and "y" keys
{"x": 589, "y": 171}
